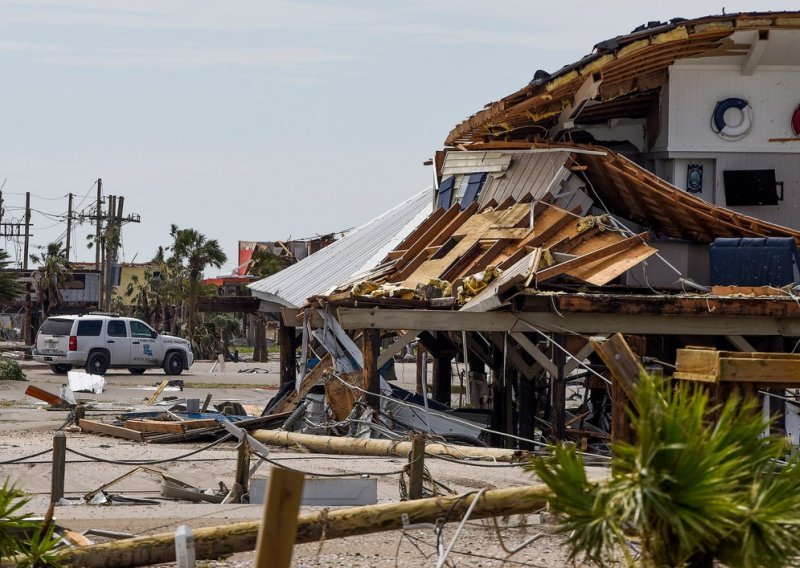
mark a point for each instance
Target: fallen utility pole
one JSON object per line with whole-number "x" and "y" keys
{"x": 213, "y": 542}
{"x": 367, "y": 447}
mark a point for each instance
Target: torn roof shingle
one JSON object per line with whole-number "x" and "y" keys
{"x": 358, "y": 252}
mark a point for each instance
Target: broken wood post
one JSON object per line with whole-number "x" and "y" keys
{"x": 416, "y": 471}
{"x": 80, "y": 412}
{"x": 372, "y": 378}
{"x": 558, "y": 390}
{"x": 279, "y": 523}
{"x": 59, "y": 466}
{"x": 242, "y": 479}
{"x": 213, "y": 542}
{"x": 288, "y": 345}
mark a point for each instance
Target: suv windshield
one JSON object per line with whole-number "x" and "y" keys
{"x": 54, "y": 326}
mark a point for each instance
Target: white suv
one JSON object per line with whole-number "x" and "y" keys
{"x": 100, "y": 342}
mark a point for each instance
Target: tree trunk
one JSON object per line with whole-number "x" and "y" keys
{"x": 214, "y": 542}
{"x": 260, "y": 352}
{"x": 194, "y": 281}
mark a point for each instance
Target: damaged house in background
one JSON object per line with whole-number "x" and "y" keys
{"x": 650, "y": 189}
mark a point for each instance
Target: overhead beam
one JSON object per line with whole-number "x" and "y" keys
{"x": 753, "y": 57}
{"x": 577, "y": 323}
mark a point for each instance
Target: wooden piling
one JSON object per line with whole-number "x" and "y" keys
{"x": 59, "y": 466}
{"x": 278, "y": 530}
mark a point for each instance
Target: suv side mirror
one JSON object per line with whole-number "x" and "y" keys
{"x": 154, "y": 334}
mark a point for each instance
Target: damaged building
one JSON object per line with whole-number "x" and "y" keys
{"x": 650, "y": 189}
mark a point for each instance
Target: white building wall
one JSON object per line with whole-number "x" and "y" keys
{"x": 773, "y": 93}
{"x": 694, "y": 90}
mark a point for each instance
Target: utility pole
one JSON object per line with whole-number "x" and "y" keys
{"x": 69, "y": 221}
{"x": 27, "y": 229}
{"x": 107, "y": 239}
{"x": 1, "y": 206}
{"x": 99, "y": 224}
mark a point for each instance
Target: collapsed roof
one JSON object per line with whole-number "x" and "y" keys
{"x": 625, "y": 72}
{"x": 575, "y": 215}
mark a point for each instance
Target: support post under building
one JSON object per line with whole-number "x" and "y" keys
{"x": 287, "y": 340}
{"x": 372, "y": 378}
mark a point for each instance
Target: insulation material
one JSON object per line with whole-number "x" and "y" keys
{"x": 474, "y": 284}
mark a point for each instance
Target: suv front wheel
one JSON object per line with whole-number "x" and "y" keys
{"x": 173, "y": 364}
{"x": 97, "y": 363}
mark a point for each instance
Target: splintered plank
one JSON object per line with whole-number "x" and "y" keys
{"x": 169, "y": 426}
{"x": 311, "y": 379}
{"x": 578, "y": 262}
{"x": 43, "y": 395}
{"x": 604, "y": 270}
{"x": 154, "y": 397}
{"x": 110, "y": 430}
{"x": 760, "y": 370}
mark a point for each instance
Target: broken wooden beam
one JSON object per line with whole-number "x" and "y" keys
{"x": 213, "y": 542}
{"x": 110, "y": 430}
{"x": 43, "y": 395}
{"x": 368, "y": 447}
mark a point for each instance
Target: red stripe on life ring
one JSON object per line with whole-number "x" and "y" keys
{"x": 796, "y": 121}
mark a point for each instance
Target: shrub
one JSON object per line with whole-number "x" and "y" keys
{"x": 11, "y": 371}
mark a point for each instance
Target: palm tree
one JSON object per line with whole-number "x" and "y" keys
{"x": 53, "y": 274}
{"x": 692, "y": 490}
{"x": 198, "y": 252}
{"x": 264, "y": 263}
{"x": 9, "y": 281}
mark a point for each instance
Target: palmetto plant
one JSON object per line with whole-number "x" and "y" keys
{"x": 690, "y": 490}
{"x": 23, "y": 540}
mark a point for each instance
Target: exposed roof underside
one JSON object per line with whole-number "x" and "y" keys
{"x": 627, "y": 68}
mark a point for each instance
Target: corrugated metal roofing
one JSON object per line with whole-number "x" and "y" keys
{"x": 530, "y": 172}
{"x": 359, "y": 251}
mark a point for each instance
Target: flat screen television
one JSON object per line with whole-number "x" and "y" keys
{"x": 750, "y": 187}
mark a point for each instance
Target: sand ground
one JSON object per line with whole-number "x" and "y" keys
{"x": 26, "y": 428}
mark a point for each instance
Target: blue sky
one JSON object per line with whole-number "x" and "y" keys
{"x": 264, "y": 120}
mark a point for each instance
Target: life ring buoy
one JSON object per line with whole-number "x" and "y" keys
{"x": 732, "y": 131}
{"x": 796, "y": 121}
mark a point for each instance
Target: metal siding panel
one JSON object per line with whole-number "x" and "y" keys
{"x": 337, "y": 262}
